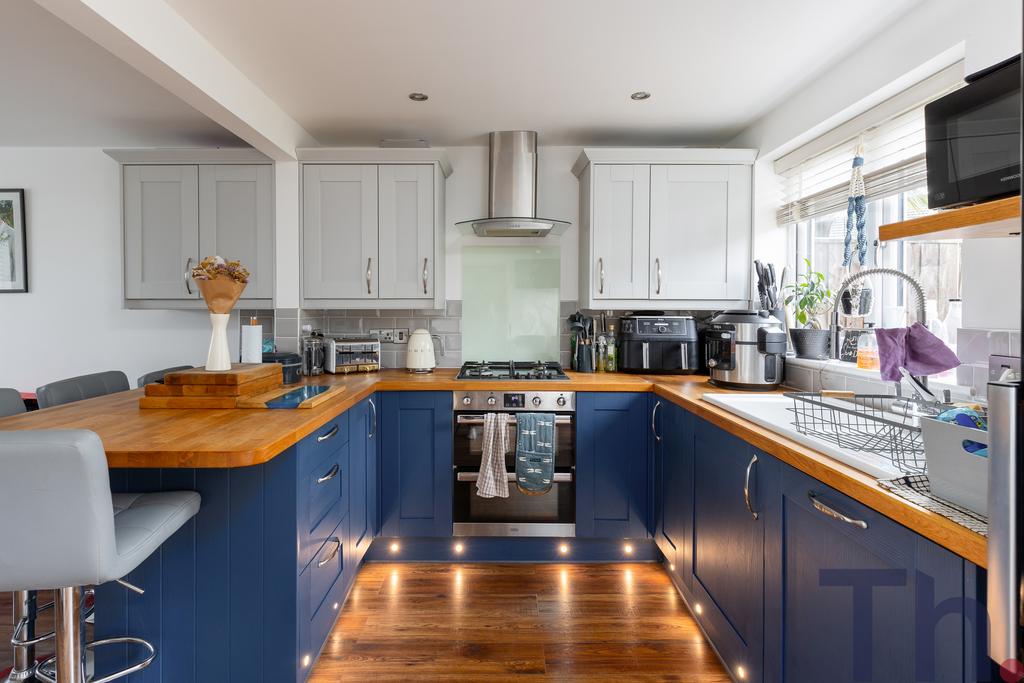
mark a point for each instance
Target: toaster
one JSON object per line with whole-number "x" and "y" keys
{"x": 352, "y": 355}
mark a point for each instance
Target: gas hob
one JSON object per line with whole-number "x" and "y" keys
{"x": 512, "y": 370}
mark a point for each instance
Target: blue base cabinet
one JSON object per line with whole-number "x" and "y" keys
{"x": 673, "y": 484}
{"x": 732, "y": 483}
{"x": 859, "y": 596}
{"x": 363, "y": 458}
{"x": 416, "y": 463}
{"x": 248, "y": 590}
{"x": 613, "y": 456}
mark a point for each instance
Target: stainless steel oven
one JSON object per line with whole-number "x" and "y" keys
{"x": 552, "y": 514}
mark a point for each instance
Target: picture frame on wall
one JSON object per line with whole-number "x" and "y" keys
{"x": 13, "y": 242}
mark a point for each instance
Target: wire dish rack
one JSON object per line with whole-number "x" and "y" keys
{"x": 861, "y": 422}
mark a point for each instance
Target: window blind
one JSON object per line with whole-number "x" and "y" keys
{"x": 893, "y": 152}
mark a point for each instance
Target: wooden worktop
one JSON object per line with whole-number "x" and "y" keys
{"x": 135, "y": 437}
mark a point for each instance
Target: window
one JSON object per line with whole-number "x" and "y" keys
{"x": 935, "y": 264}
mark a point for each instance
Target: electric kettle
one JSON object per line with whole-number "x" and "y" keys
{"x": 419, "y": 356}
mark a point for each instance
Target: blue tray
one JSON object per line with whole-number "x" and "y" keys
{"x": 293, "y": 398}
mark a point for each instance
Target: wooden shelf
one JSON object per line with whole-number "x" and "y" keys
{"x": 998, "y": 218}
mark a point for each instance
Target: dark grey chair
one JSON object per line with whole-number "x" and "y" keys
{"x": 11, "y": 402}
{"x": 80, "y": 388}
{"x": 158, "y": 375}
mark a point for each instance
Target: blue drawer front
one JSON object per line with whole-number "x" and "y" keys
{"x": 326, "y": 492}
{"x": 324, "y": 440}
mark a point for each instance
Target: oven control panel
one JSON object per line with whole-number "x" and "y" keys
{"x": 505, "y": 401}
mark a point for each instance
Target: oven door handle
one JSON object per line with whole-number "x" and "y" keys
{"x": 559, "y": 478}
{"x": 560, "y": 420}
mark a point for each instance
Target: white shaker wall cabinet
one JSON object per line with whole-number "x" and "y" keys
{"x": 665, "y": 228}
{"x": 181, "y": 205}
{"x": 161, "y": 231}
{"x": 620, "y": 231}
{"x": 406, "y": 238}
{"x": 373, "y": 228}
{"x": 339, "y": 232}
{"x": 700, "y": 232}
{"x": 236, "y": 221}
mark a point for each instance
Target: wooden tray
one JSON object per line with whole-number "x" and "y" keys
{"x": 239, "y": 373}
{"x": 261, "y": 400}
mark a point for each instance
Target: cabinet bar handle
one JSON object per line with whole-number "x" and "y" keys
{"x": 600, "y": 271}
{"x": 333, "y": 553}
{"x": 558, "y": 477}
{"x": 835, "y": 514}
{"x": 369, "y": 275}
{"x": 657, "y": 268}
{"x": 746, "y": 486}
{"x": 188, "y": 274}
{"x": 331, "y": 474}
{"x": 328, "y": 435}
{"x": 424, "y": 276}
{"x": 373, "y": 424}
{"x": 654, "y": 414}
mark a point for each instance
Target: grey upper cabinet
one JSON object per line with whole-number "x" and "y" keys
{"x": 179, "y": 206}
{"x": 700, "y": 231}
{"x": 665, "y": 228}
{"x": 406, "y": 231}
{"x": 161, "y": 231}
{"x": 339, "y": 232}
{"x": 236, "y": 221}
{"x": 373, "y": 228}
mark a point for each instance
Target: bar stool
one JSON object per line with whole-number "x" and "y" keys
{"x": 158, "y": 375}
{"x": 81, "y": 388}
{"x": 11, "y": 403}
{"x": 85, "y": 537}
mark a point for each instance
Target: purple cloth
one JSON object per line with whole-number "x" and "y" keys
{"x": 913, "y": 348}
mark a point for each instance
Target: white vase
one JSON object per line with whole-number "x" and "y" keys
{"x": 219, "y": 356}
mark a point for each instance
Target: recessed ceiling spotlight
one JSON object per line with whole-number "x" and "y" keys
{"x": 638, "y": 95}
{"x": 421, "y": 97}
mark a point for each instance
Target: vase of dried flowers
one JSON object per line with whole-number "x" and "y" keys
{"x": 221, "y": 283}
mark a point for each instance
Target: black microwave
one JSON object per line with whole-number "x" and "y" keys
{"x": 972, "y": 138}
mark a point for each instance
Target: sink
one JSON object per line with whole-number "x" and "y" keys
{"x": 772, "y": 412}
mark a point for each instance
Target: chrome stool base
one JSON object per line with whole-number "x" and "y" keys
{"x": 45, "y": 671}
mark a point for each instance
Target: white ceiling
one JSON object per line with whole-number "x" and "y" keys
{"x": 61, "y": 89}
{"x": 343, "y": 68}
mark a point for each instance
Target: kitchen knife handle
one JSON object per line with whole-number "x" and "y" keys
{"x": 369, "y": 275}
{"x": 600, "y": 271}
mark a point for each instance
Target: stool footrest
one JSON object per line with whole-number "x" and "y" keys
{"x": 122, "y": 640}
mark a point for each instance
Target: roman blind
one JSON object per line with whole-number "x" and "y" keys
{"x": 815, "y": 179}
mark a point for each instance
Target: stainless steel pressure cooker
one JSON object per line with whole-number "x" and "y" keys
{"x": 745, "y": 350}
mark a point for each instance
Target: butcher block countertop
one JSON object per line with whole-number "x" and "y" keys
{"x": 174, "y": 438}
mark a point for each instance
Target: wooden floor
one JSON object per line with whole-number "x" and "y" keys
{"x": 441, "y": 622}
{"x": 523, "y": 622}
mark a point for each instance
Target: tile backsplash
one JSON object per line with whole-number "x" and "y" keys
{"x": 974, "y": 346}
{"x": 446, "y": 323}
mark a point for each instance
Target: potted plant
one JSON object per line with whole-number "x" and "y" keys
{"x": 811, "y": 299}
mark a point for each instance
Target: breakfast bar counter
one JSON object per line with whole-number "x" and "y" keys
{"x": 167, "y": 438}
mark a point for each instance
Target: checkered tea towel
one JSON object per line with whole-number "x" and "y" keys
{"x": 493, "y": 482}
{"x": 535, "y": 452}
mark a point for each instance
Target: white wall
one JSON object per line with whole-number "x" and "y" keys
{"x": 557, "y": 197}
{"x": 71, "y": 322}
{"x": 933, "y": 35}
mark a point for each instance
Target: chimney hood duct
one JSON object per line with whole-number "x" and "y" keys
{"x": 512, "y": 191}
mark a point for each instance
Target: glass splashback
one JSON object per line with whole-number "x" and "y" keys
{"x": 510, "y": 303}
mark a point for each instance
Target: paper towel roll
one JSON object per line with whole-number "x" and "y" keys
{"x": 252, "y": 343}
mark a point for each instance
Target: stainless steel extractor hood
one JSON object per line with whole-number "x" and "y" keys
{"x": 512, "y": 191}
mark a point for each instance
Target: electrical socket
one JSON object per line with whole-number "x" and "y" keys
{"x": 401, "y": 335}
{"x": 386, "y": 336}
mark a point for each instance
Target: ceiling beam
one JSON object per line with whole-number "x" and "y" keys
{"x": 155, "y": 40}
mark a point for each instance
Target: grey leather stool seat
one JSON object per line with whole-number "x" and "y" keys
{"x": 11, "y": 402}
{"x": 80, "y": 388}
{"x": 86, "y": 537}
{"x": 158, "y": 375}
